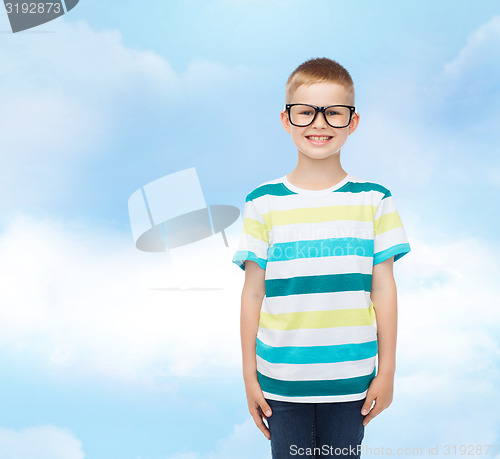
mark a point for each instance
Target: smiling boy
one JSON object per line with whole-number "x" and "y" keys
{"x": 319, "y": 302}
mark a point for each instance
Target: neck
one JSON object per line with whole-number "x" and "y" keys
{"x": 321, "y": 173}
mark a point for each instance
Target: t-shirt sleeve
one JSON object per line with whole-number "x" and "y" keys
{"x": 254, "y": 238}
{"x": 390, "y": 239}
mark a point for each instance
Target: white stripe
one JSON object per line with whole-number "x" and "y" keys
{"x": 252, "y": 244}
{"x": 321, "y": 230}
{"x": 386, "y": 206}
{"x": 345, "y": 198}
{"x": 317, "y": 399}
{"x": 390, "y": 238}
{"x": 325, "y": 301}
{"x": 317, "y": 266}
{"x": 318, "y": 336}
{"x": 251, "y": 211}
{"x": 316, "y": 371}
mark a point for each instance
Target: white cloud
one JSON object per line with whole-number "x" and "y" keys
{"x": 68, "y": 96}
{"x": 85, "y": 300}
{"x": 245, "y": 442}
{"x": 463, "y": 94}
{"x": 448, "y": 352}
{"x": 427, "y": 128}
{"x": 79, "y": 300}
{"x": 41, "y": 442}
{"x": 475, "y": 70}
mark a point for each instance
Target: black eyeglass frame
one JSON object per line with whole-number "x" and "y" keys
{"x": 351, "y": 108}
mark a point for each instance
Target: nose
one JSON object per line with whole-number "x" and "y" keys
{"x": 320, "y": 120}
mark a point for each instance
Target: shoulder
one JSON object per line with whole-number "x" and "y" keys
{"x": 375, "y": 189}
{"x": 265, "y": 189}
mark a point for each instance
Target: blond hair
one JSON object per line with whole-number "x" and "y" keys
{"x": 316, "y": 71}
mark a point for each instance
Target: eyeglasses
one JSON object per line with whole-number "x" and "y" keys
{"x": 337, "y": 116}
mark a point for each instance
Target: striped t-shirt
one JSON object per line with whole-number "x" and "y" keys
{"x": 317, "y": 335}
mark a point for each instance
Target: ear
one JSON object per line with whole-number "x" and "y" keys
{"x": 285, "y": 121}
{"x": 354, "y": 123}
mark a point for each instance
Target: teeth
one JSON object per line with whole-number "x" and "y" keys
{"x": 320, "y": 139}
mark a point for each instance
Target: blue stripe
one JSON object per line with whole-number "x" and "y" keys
{"x": 316, "y": 354}
{"x": 240, "y": 256}
{"x": 330, "y": 247}
{"x": 396, "y": 251}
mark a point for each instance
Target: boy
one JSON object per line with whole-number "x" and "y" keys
{"x": 319, "y": 299}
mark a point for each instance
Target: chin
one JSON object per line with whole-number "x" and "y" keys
{"x": 320, "y": 155}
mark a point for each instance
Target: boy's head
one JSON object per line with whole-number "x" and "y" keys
{"x": 320, "y": 82}
{"x": 317, "y": 71}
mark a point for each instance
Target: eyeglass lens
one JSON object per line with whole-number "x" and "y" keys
{"x": 302, "y": 115}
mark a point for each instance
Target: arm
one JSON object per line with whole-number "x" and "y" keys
{"x": 252, "y": 295}
{"x": 251, "y": 303}
{"x": 384, "y": 298}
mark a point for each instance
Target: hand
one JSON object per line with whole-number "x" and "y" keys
{"x": 257, "y": 406}
{"x": 381, "y": 390}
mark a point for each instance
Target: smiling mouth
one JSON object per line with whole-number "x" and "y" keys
{"x": 319, "y": 138}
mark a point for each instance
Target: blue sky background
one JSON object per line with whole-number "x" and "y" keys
{"x": 98, "y": 359}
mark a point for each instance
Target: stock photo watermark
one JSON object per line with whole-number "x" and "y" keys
{"x": 25, "y": 15}
{"x": 445, "y": 449}
{"x": 310, "y": 243}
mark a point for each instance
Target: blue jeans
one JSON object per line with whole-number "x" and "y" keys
{"x": 313, "y": 430}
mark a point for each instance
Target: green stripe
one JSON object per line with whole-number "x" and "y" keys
{"x": 273, "y": 189}
{"x": 279, "y": 189}
{"x": 315, "y": 388}
{"x": 318, "y": 284}
{"x": 357, "y": 187}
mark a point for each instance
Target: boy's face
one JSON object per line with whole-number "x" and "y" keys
{"x": 321, "y": 95}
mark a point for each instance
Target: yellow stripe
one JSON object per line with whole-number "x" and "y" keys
{"x": 318, "y": 319}
{"x": 387, "y": 222}
{"x": 362, "y": 213}
{"x": 256, "y": 229}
